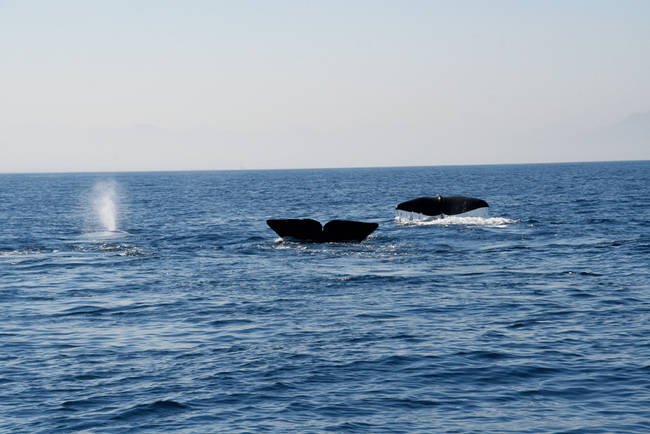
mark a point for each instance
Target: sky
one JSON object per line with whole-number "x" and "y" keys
{"x": 212, "y": 85}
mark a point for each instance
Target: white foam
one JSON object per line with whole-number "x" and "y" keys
{"x": 467, "y": 219}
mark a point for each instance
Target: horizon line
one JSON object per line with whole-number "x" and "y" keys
{"x": 243, "y": 169}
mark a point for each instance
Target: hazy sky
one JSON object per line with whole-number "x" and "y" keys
{"x": 156, "y": 85}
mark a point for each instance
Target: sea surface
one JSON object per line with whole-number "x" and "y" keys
{"x": 156, "y": 302}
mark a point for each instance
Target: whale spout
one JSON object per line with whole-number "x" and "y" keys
{"x": 312, "y": 230}
{"x": 450, "y": 205}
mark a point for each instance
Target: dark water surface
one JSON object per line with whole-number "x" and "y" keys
{"x": 193, "y": 316}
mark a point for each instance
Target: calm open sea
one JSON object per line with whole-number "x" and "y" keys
{"x": 163, "y": 302}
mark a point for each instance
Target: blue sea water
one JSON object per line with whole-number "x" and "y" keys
{"x": 163, "y": 302}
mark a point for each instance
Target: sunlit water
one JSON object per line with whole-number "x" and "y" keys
{"x": 163, "y": 302}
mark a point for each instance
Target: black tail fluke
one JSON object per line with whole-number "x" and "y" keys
{"x": 451, "y": 205}
{"x": 312, "y": 231}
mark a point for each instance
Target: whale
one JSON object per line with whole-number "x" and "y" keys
{"x": 310, "y": 230}
{"x": 448, "y": 205}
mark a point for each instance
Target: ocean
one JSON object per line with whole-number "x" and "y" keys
{"x": 153, "y": 302}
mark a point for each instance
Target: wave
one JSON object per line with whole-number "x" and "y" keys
{"x": 102, "y": 235}
{"x": 160, "y": 408}
{"x": 122, "y": 249}
{"x": 375, "y": 246}
{"x": 23, "y": 252}
{"x": 113, "y": 249}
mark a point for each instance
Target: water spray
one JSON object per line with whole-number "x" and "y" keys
{"x": 105, "y": 204}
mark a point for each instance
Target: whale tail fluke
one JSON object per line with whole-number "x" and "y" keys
{"x": 434, "y": 206}
{"x": 453, "y": 205}
{"x": 312, "y": 230}
{"x": 302, "y": 229}
{"x": 347, "y": 230}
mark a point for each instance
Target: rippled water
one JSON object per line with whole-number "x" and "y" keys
{"x": 163, "y": 302}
